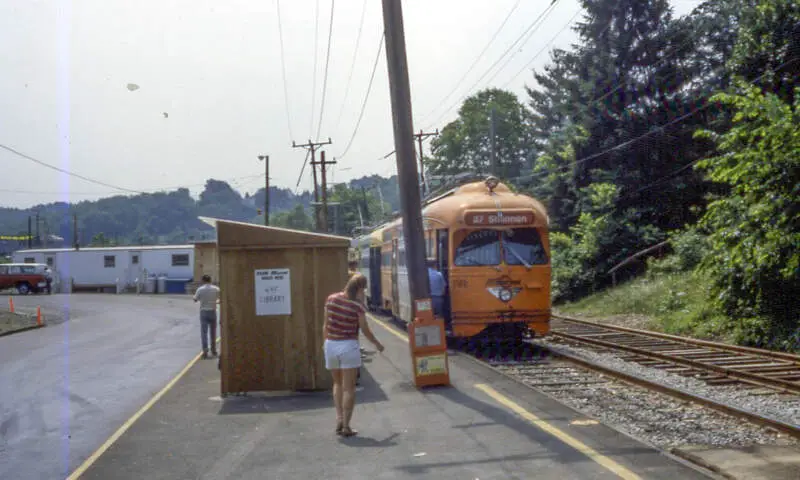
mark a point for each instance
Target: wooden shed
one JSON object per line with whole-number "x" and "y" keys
{"x": 274, "y": 283}
{"x": 206, "y": 261}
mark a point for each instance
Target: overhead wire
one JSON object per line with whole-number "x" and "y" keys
{"x": 53, "y": 167}
{"x": 499, "y": 59}
{"x": 527, "y": 65}
{"x": 366, "y": 97}
{"x": 325, "y": 76}
{"x": 283, "y": 69}
{"x": 477, "y": 59}
{"x": 659, "y": 128}
{"x": 314, "y": 74}
{"x": 524, "y": 42}
{"x": 353, "y": 63}
{"x": 101, "y": 183}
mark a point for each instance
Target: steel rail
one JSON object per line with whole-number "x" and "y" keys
{"x": 763, "y": 381}
{"x": 705, "y": 343}
{"x": 788, "y": 428}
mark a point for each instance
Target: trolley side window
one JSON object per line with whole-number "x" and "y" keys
{"x": 479, "y": 248}
{"x": 523, "y": 246}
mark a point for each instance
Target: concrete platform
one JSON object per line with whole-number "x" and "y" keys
{"x": 483, "y": 427}
{"x": 760, "y": 462}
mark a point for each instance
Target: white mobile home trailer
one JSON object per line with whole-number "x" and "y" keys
{"x": 103, "y": 267}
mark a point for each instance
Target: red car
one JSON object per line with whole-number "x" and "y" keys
{"x": 25, "y": 277}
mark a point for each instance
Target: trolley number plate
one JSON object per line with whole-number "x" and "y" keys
{"x": 429, "y": 336}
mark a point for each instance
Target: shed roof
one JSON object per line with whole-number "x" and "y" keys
{"x": 238, "y": 234}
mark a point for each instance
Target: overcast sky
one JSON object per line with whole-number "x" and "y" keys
{"x": 210, "y": 94}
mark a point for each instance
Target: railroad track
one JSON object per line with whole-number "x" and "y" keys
{"x": 711, "y": 362}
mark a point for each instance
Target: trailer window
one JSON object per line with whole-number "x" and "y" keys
{"x": 180, "y": 260}
{"x": 479, "y": 248}
{"x": 109, "y": 261}
{"x": 29, "y": 260}
{"x": 523, "y": 246}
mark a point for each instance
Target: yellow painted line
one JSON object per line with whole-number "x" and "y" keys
{"x": 129, "y": 423}
{"x": 609, "y": 464}
{"x": 389, "y": 329}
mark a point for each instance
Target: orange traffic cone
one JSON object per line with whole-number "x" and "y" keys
{"x": 39, "y": 316}
{"x": 11, "y": 304}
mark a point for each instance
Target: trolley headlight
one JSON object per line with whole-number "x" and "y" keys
{"x": 505, "y": 295}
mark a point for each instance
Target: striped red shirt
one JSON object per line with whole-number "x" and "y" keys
{"x": 343, "y": 317}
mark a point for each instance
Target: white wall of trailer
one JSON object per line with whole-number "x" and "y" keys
{"x": 105, "y": 266}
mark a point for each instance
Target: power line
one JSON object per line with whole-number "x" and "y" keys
{"x": 325, "y": 77}
{"x": 91, "y": 180}
{"x": 525, "y": 67}
{"x": 353, "y": 63}
{"x": 524, "y": 42}
{"x": 477, "y": 59}
{"x": 98, "y": 182}
{"x": 314, "y": 75}
{"x": 659, "y": 128}
{"x": 366, "y": 97}
{"x": 283, "y": 69}
{"x": 502, "y": 56}
{"x": 258, "y": 176}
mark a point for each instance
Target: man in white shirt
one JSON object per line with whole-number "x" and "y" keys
{"x": 208, "y": 296}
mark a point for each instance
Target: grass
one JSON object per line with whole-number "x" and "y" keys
{"x": 674, "y": 303}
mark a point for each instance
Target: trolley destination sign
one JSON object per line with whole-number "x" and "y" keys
{"x": 474, "y": 219}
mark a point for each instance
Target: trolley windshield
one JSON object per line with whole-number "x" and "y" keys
{"x": 514, "y": 246}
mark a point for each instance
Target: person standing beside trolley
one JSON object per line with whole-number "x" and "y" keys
{"x": 438, "y": 290}
{"x": 345, "y": 316}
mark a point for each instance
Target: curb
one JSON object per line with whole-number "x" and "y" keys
{"x": 699, "y": 461}
{"x": 20, "y": 330}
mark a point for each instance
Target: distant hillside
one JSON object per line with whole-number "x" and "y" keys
{"x": 165, "y": 217}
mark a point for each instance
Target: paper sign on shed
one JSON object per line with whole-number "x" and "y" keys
{"x": 273, "y": 292}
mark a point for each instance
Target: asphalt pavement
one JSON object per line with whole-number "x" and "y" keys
{"x": 67, "y": 387}
{"x": 484, "y": 426}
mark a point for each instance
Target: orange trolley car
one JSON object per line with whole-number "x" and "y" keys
{"x": 491, "y": 245}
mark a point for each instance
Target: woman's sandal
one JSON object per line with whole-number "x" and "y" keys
{"x": 339, "y": 428}
{"x": 348, "y": 432}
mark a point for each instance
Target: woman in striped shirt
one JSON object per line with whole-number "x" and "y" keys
{"x": 344, "y": 317}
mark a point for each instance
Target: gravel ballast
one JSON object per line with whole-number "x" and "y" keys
{"x": 659, "y": 419}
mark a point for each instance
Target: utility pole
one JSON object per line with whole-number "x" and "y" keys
{"x": 420, "y": 136}
{"x": 380, "y": 196}
{"x": 312, "y": 146}
{"x": 38, "y": 239}
{"x": 493, "y": 158}
{"x": 366, "y": 205}
{"x": 322, "y": 165}
{"x": 30, "y": 233}
{"x": 404, "y": 147}
{"x": 265, "y": 159}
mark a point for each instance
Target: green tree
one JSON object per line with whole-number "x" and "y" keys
{"x": 768, "y": 46}
{"x": 465, "y": 144}
{"x": 755, "y": 230}
{"x": 296, "y": 219}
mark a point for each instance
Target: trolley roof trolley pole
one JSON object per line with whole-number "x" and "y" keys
{"x": 426, "y": 339}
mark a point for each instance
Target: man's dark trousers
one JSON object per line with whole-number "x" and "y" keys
{"x": 208, "y": 325}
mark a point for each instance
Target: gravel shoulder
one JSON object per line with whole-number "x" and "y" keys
{"x": 12, "y": 322}
{"x": 661, "y": 420}
{"x": 628, "y": 320}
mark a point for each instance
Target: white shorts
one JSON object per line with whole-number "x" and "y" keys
{"x": 342, "y": 354}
